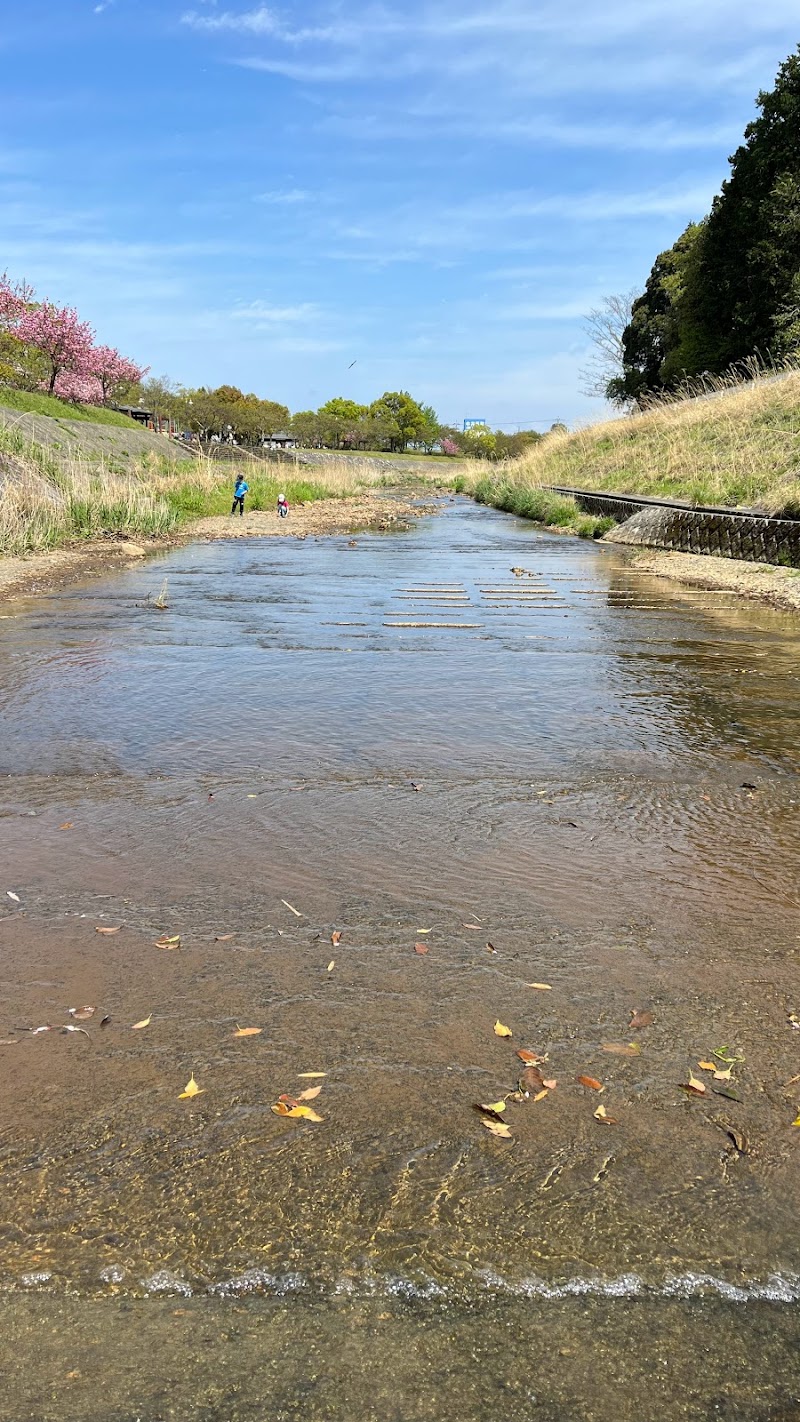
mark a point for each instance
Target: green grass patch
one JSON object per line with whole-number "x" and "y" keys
{"x": 537, "y": 504}
{"x": 32, "y": 402}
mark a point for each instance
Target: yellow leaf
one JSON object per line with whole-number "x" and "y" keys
{"x": 310, "y": 1093}
{"x": 497, "y": 1128}
{"x": 723, "y": 1075}
{"x": 165, "y": 942}
{"x": 541, "y": 987}
{"x": 331, "y": 965}
{"x": 540, "y": 1095}
{"x": 424, "y": 930}
{"x": 310, "y": 1075}
{"x": 696, "y": 1084}
{"x": 248, "y": 1031}
{"x": 145, "y": 1022}
{"x": 501, "y": 1031}
{"x": 307, "y": 1113}
{"x": 192, "y": 1089}
{"x": 707, "y": 1066}
{"x": 797, "y": 1122}
{"x": 497, "y": 1106}
{"x": 601, "y": 1113}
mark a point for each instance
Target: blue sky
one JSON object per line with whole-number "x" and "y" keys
{"x": 438, "y": 190}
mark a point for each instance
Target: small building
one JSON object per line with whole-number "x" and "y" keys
{"x": 280, "y": 440}
{"x": 151, "y": 421}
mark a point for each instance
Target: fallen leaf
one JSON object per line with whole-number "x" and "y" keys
{"x": 145, "y": 1022}
{"x": 165, "y": 942}
{"x": 81, "y": 1014}
{"x": 601, "y": 1114}
{"x": 551, "y": 1085}
{"x": 494, "y": 1108}
{"x": 797, "y": 1122}
{"x": 531, "y": 1080}
{"x": 476, "y": 926}
{"x": 11, "y": 895}
{"x": 100, "y": 929}
{"x": 34, "y": 1031}
{"x": 424, "y": 930}
{"x": 694, "y": 1085}
{"x": 67, "y": 825}
{"x": 247, "y": 1031}
{"x": 420, "y": 948}
{"x": 540, "y": 1095}
{"x": 104, "y": 1021}
{"x": 727, "y": 1092}
{"x": 707, "y": 1066}
{"x": 490, "y": 948}
{"x": 310, "y": 1075}
{"x": 497, "y": 1128}
{"x": 723, "y": 1075}
{"x": 641, "y": 1019}
{"x": 739, "y": 1139}
{"x": 252, "y": 797}
{"x": 331, "y": 965}
{"x": 592, "y": 1083}
{"x": 336, "y": 938}
{"x": 793, "y": 1018}
{"x": 501, "y": 1031}
{"x": 223, "y": 937}
{"x": 75, "y": 1029}
{"x": 310, "y": 1094}
{"x": 622, "y": 1049}
{"x": 541, "y": 987}
{"x": 191, "y": 1089}
{"x": 306, "y": 1113}
{"x": 295, "y": 911}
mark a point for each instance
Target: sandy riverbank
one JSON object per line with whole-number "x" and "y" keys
{"x": 761, "y": 582}
{"x": 42, "y": 572}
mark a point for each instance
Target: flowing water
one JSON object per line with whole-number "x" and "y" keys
{"x": 570, "y": 774}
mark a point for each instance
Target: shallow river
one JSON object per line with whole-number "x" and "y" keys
{"x": 571, "y": 775}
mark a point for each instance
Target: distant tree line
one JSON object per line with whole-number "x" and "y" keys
{"x": 395, "y": 422}
{"x": 728, "y": 290}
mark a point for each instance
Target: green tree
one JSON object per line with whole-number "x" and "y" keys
{"x": 339, "y": 417}
{"x": 397, "y": 407}
{"x": 660, "y": 339}
{"x": 306, "y": 427}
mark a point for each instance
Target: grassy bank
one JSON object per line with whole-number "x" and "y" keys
{"x": 34, "y": 403}
{"x": 510, "y": 490}
{"x": 49, "y": 499}
{"x": 740, "y": 446}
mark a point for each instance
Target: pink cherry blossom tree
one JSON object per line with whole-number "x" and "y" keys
{"x": 448, "y": 446}
{"x": 64, "y": 340}
{"x": 15, "y": 298}
{"x": 114, "y": 371}
{"x": 78, "y": 389}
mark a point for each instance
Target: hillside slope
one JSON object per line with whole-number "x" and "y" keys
{"x": 116, "y": 445}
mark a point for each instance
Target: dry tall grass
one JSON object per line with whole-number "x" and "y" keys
{"x": 738, "y": 445}
{"x": 48, "y": 498}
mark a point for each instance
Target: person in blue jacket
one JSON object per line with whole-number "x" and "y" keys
{"x": 240, "y": 489}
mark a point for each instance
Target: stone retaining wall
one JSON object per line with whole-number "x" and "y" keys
{"x": 724, "y": 535}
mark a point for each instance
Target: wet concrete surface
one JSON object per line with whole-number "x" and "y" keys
{"x": 606, "y": 785}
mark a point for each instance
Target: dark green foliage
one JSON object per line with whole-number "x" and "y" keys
{"x": 729, "y": 288}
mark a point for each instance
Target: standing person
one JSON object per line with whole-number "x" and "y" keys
{"x": 283, "y": 507}
{"x": 239, "y": 491}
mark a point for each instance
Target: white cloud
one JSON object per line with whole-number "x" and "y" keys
{"x": 261, "y": 313}
{"x": 288, "y": 197}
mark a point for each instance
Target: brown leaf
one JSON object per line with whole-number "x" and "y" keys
{"x": 336, "y": 938}
{"x": 540, "y": 1095}
{"x": 104, "y": 1021}
{"x": 67, "y": 825}
{"x": 420, "y": 948}
{"x": 248, "y": 1031}
{"x": 501, "y": 1031}
{"x": 694, "y": 1085}
{"x": 707, "y": 1066}
{"x": 223, "y": 937}
{"x": 551, "y": 1085}
{"x": 530, "y": 1058}
{"x": 490, "y": 948}
{"x": 166, "y": 942}
{"x": 497, "y": 1128}
{"x": 641, "y": 1019}
{"x": 99, "y": 929}
{"x": 310, "y": 1094}
{"x": 531, "y": 1080}
{"x": 82, "y": 1014}
{"x": 622, "y": 1049}
{"x": 476, "y": 926}
{"x": 592, "y": 1083}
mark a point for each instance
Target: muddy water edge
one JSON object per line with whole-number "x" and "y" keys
{"x": 401, "y": 739}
